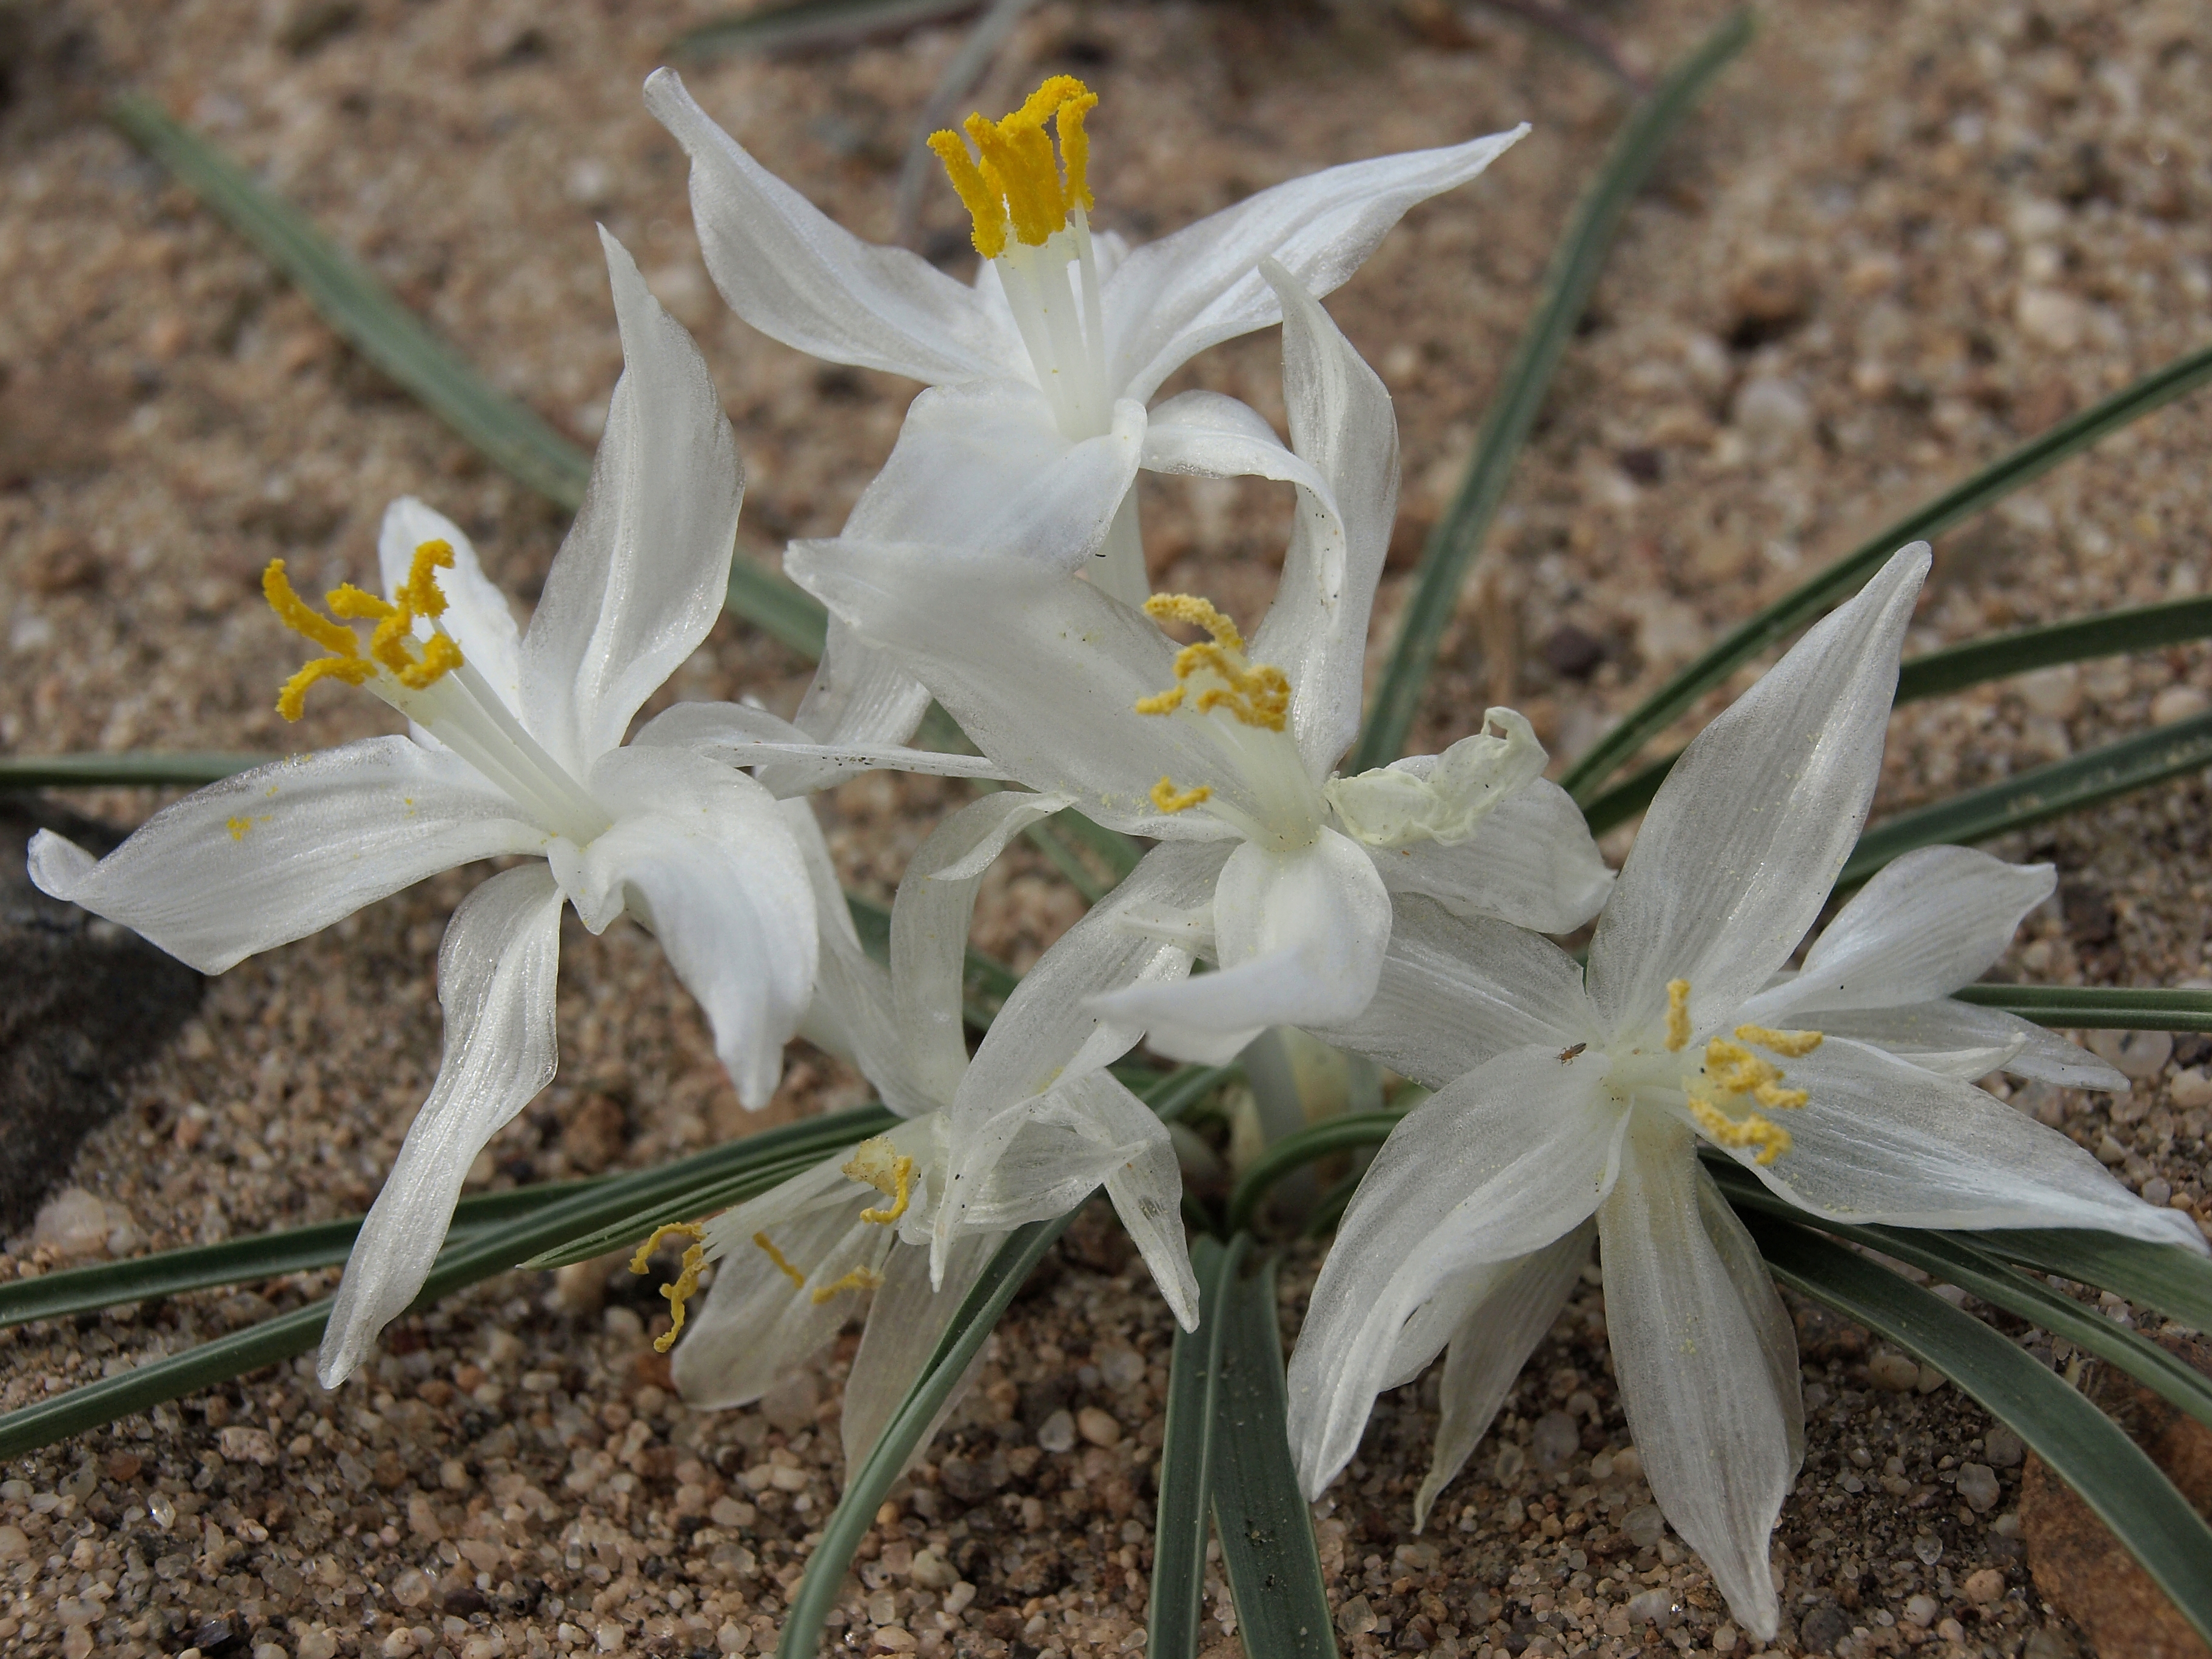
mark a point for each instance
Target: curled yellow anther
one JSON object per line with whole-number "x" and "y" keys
{"x": 686, "y": 1281}
{"x": 1169, "y": 799}
{"x": 763, "y": 1243}
{"x": 1256, "y": 694}
{"x": 1752, "y": 1130}
{"x": 861, "y": 1278}
{"x": 1790, "y": 1045}
{"x": 390, "y": 644}
{"x": 302, "y": 617}
{"x": 1198, "y": 613}
{"x": 1014, "y": 180}
{"x": 1678, "y": 1015}
{"x": 292, "y": 696}
{"x": 420, "y": 592}
{"x": 879, "y": 1164}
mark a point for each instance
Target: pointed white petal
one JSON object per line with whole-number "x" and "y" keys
{"x": 477, "y": 613}
{"x": 1211, "y": 434}
{"x": 1695, "y": 1368}
{"x": 1300, "y": 937}
{"x": 1530, "y": 862}
{"x": 1944, "y": 1036}
{"x": 1342, "y": 424}
{"x": 929, "y": 920}
{"x": 496, "y": 974}
{"x": 904, "y": 1323}
{"x": 1457, "y": 992}
{"x": 1746, "y": 835}
{"x": 273, "y": 854}
{"x": 1145, "y": 1186}
{"x": 1488, "y": 1351}
{"x": 1882, "y": 1141}
{"x": 799, "y": 277}
{"x": 1497, "y": 1164}
{"x": 1171, "y": 298}
{"x": 703, "y": 857}
{"x": 642, "y": 573}
{"x": 859, "y": 694}
{"x": 1925, "y": 925}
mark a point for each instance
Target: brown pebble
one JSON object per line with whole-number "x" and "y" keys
{"x": 1098, "y": 1427}
{"x": 1985, "y": 1586}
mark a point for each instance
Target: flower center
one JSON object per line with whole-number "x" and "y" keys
{"x": 1014, "y": 182}
{"x": 877, "y": 1163}
{"x": 1733, "y": 1080}
{"x": 429, "y": 682}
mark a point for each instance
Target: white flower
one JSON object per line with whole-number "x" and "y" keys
{"x": 1565, "y": 1099}
{"x": 791, "y": 1262}
{"x": 1045, "y": 365}
{"x": 516, "y": 748}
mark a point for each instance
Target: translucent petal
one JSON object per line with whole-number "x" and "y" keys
{"x": 477, "y": 613}
{"x": 905, "y": 1322}
{"x": 1530, "y": 862}
{"x": 1942, "y": 1034}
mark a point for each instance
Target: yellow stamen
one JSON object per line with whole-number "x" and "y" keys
{"x": 419, "y": 592}
{"x": 797, "y": 1277}
{"x": 292, "y": 698}
{"x": 1013, "y": 179}
{"x": 1790, "y": 1045}
{"x": 686, "y": 1281}
{"x": 1678, "y": 1015}
{"x": 1169, "y": 799}
{"x": 1257, "y": 694}
{"x": 1752, "y": 1130}
{"x": 861, "y": 1278}
{"x": 302, "y": 617}
{"x": 391, "y": 644}
{"x": 879, "y": 1164}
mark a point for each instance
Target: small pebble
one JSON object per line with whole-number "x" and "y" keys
{"x": 1893, "y": 1371}
{"x": 1977, "y": 1485}
{"x": 1057, "y": 1433}
{"x": 1920, "y": 1610}
{"x": 1986, "y": 1586}
{"x": 1097, "y": 1426}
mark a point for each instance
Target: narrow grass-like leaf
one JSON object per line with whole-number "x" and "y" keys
{"x": 364, "y": 312}
{"x": 1118, "y": 852}
{"x": 2044, "y": 791}
{"x": 2176, "y": 1282}
{"x": 152, "y": 768}
{"x": 1458, "y": 535}
{"x": 2086, "y": 1448}
{"x": 1259, "y": 1513}
{"x": 1805, "y": 602}
{"x": 478, "y": 1255}
{"x": 1178, "y": 1587}
{"x": 778, "y": 607}
{"x": 238, "y": 1261}
{"x": 808, "y": 23}
{"x": 1960, "y": 1259}
{"x": 1296, "y": 1150}
{"x": 2097, "y": 1007}
{"x": 1183, "y": 1088}
{"x": 866, "y": 1487}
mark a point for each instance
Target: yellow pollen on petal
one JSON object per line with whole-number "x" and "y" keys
{"x": 1169, "y": 799}
{"x": 763, "y": 1243}
{"x": 1678, "y": 1015}
{"x": 861, "y": 1278}
{"x": 1256, "y": 693}
{"x": 1790, "y": 1045}
{"x": 1014, "y": 180}
{"x": 238, "y": 827}
{"x": 686, "y": 1281}
{"x": 879, "y": 1164}
{"x": 391, "y": 643}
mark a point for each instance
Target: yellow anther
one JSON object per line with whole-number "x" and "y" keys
{"x": 441, "y": 656}
{"x": 687, "y": 1279}
{"x": 1678, "y": 1015}
{"x": 1752, "y": 1130}
{"x": 391, "y": 644}
{"x": 1198, "y": 613}
{"x": 420, "y": 592}
{"x": 1790, "y": 1045}
{"x": 879, "y": 1164}
{"x": 292, "y": 699}
{"x": 300, "y": 617}
{"x": 1257, "y": 694}
{"x": 1014, "y": 180}
{"x": 1161, "y": 702}
{"x": 1169, "y": 799}
{"x": 861, "y": 1278}
{"x": 1737, "y": 1069}
{"x": 797, "y": 1277}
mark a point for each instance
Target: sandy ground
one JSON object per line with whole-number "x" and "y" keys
{"x": 1899, "y": 238}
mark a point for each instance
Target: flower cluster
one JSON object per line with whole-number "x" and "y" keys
{"x": 996, "y": 566}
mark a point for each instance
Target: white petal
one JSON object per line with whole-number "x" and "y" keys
{"x": 1457, "y": 992}
{"x": 1694, "y": 1371}
{"x": 1488, "y": 1351}
{"x": 1748, "y": 834}
{"x": 930, "y": 921}
{"x": 702, "y": 855}
{"x": 1882, "y": 1141}
{"x": 1044, "y": 672}
{"x": 1171, "y": 298}
{"x": 273, "y": 855}
{"x": 1530, "y": 862}
{"x": 859, "y": 694}
{"x": 477, "y": 613}
{"x": 800, "y": 278}
{"x": 1300, "y": 937}
{"x": 644, "y": 569}
{"x": 1933, "y": 921}
{"x": 738, "y": 736}
{"x": 1944, "y": 1036}
{"x": 1145, "y": 1186}
{"x": 1497, "y": 1165}
{"x": 1342, "y": 424}
{"x": 497, "y": 975}
{"x": 905, "y": 1321}
{"x": 1211, "y": 434}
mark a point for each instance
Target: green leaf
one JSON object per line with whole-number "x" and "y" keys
{"x": 1118, "y": 852}
{"x": 1458, "y": 535}
{"x": 866, "y": 1487}
{"x": 268, "y": 1256}
{"x": 1259, "y": 1513}
{"x": 1187, "y": 1454}
{"x": 778, "y": 607}
{"x": 2044, "y": 791}
{"x": 1296, "y": 1150}
{"x": 2083, "y": 1446}
{"x": 2178, "y": 1282}
{"x": 1807, "y": 602}
{"x": 810, "y": 23}
{"x": 2089, "y": 1007}
{"x": 1960, "y": 1259}
{"x": 188, "y": 769}
{"x": 1178, "y": 1091}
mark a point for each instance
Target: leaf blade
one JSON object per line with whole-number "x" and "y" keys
{"x": 1187, "y": 1452}
{"x": 2093, "y": 1007}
